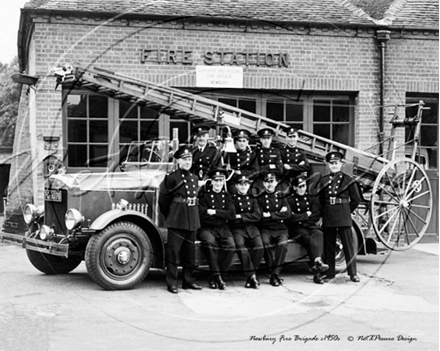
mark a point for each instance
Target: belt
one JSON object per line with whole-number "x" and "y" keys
{"x": 191, "y": 201}
{"x": 337, "y": 200}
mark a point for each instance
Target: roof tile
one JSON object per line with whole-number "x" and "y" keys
{"x": 419, "y": 13}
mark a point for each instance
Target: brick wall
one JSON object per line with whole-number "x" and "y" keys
{"x": 321, "y": 59}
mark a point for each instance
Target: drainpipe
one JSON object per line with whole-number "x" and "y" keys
{"x": 382, "y": 37}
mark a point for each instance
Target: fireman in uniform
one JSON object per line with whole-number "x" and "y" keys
{"x": 339, "y": 196}
{"x": 246, "y": 234}
{"x": 243, "y": 161}
{"x": 274, "y": 233}
{"x": 178, "y": 203}
{"x": 216, "y": 210}
{"x": 293, "y": 158}
{"x": 303, "y": 227}
{"x": 206, "y": 156}
{"x": 267, "y": 158}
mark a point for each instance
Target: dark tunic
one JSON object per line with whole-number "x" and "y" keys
{"x": 299, "y": 206}
{"x": 293, "y": 156}
{"x": 178, "y": 186}
{"x": 343, "y": 189}
{"x": 250, "y": 212}
{"x": 222, "y": 203}
{"x": 268, "y": 159}
{"x": 242, "y": 162}
{"x": 206, "y": 160}
{"x": 271, "y": 202}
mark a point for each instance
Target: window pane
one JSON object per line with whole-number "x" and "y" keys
{"x": 98, "y": 156}
{"x": 98, "y": 106}
{"x": 248, "y": 105}
{"x": 322, "y": 130}
{"x": 341, "y": 133}
{"x": 321, "y": 111}
{"x": 77, "y": 155}
{"x": 431, "y": 115}
{"x": 77, "y": 106}
{"x": 341, "y": 111}
{"x": 149, "y": 130}
{"x": 147, "y": 112}
{"x": 294, "y": 112}
{"x": 98, "y": 131}
{"x": 128, "y": 131}
{"x": 275, "y": 111}
{"x": 230, "y": 102}
{"x": 127, "y": 110}
{"x": 428, "y": 135}
{"x": 183, "y": 130}
{"x": 77, "y": 131}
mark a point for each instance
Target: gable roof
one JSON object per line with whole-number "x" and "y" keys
{"x": 417, "y": 13}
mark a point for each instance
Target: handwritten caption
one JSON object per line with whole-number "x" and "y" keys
{"x": 331, "y": 338}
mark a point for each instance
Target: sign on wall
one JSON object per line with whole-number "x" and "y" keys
{"x": 215, "y": 58}
{"x": 219, "y": 77}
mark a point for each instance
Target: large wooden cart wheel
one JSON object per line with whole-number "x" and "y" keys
{"x": 401, "y": 204}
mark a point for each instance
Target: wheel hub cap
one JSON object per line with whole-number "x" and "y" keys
{"x": 123, "y": 255}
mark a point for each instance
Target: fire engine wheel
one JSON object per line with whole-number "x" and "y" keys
{"x": 50, "y": 264}
{"x": 119, "y": 257}
{"x": 401, "y": 204}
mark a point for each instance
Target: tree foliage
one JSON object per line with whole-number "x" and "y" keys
{"x": 9, "y": 99}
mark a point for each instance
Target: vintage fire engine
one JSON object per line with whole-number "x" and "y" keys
{"x": 112, "y": 220}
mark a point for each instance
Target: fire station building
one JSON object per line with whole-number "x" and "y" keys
{"x": 334, "y": 68}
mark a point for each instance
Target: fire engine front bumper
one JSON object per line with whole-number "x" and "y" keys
{"x": 48, "y": 247}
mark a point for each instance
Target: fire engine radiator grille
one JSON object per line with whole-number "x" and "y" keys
{"x": 54, "y": 213}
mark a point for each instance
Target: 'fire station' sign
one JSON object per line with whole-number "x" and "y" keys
{"x": 217, "y": 57}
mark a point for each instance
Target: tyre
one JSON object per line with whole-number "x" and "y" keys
{"x": 340, "y": 264}
{"x": 119, "y": 257}
{"x": 51, "y": 264}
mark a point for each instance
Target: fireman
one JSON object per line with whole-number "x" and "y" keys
{"x": 267, "y": 158}
{"x": 304, "y": 225}
{"x": 216, "y": 210}
{"x": 339, "y": 196}
{"x": 206, "y": 156}
{"x": 274, "y": 233}
{"x": 245, "y": 231}
{"x": 293, "y": 158}
{"x": 178, "y": 203}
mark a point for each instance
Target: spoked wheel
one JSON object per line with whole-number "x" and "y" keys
{"x": 401, "y": 204}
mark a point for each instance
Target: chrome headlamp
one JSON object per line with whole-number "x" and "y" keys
{"x": 31, "y": 213}
{"x": 73, "y": 219}
{"x": 45, "y": 232}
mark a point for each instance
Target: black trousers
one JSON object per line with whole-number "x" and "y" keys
{"x": 312, "y": 239}
{"x": 180, "y": 242}
{"x": 250, "y": 252}
{"x": 275, "y": 249}
{"x": 219, "y": 250}
{"x": 346, "y": 236}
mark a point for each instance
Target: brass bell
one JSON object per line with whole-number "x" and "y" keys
{"x": 228, "y": 145}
